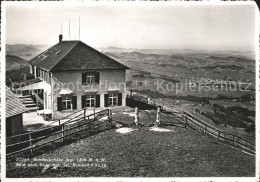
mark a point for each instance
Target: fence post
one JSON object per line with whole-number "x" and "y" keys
{"x": 186, "y": 120}
{"x": 31, "y": 145}
{"x": 59, "y": 122}
{"x": 110, "y": 116}
{"x": 109, "y": 113}
{"x": 148, "y": 100}
{"x": 218, "y": 134}
{"x": 88, "y": 126}
{"x": 62, "y": 132}
{"x": 158, "y": 122}
{"x": 84, "y": 113}
{"x": 94, "y": 114}
{"x": 136, "y": 116}
{"x": 205, "y": 130}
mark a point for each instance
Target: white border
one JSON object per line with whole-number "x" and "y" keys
{"x": 112, "y": 3}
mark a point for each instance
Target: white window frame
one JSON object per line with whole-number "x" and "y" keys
{"x": 114, "y": 99}
{"x": 90, "y": 97}
{"x": 66, "y": 100}
{"x": 91, "y": 78}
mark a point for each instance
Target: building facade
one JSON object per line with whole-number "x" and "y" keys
{"x": 72, "y": 75}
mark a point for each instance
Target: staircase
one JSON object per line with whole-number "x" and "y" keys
{"x": 28, "y": 102}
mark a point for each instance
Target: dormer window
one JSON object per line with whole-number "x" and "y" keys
{"x": 90, "y": 78}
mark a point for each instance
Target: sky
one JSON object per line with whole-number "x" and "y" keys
{"x": 204, "y": 27}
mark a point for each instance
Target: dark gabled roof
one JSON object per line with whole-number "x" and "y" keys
{"x": 53, "y": 55}
{"x": 13, "y": 105}
{"x": 74, "y": 55}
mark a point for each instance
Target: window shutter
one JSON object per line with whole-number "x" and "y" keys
{"x": 83, "y": 78}
{"x": 119, "y": 95}
{"x": 106, "y": 100}
{"x": 83, "y": 101}
{"x": 97, "y": 100}
{"x": 97, "y": 77}
{"x": 74, "y": 102}
{"x": 59, "y": 103}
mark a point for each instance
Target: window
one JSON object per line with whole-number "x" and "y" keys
{"x": 90, "y": 100}
{"x": 90, "y": 78}
{"x": 112, "y": 99}
{"x": 66, "y": 103}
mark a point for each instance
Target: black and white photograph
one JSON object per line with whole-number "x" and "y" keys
{"x": 130, "y": 89}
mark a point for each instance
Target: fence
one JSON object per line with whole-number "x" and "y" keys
{"x": 196, "y": 123}
{"x": 30, "y": 141}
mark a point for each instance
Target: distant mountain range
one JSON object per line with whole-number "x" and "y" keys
{"x": 27, "y": 52}
{"x": 176, "y": 52}
{"x": 24, "y": 51}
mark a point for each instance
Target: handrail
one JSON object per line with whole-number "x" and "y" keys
{"x": 37, "y": 97}
{"x": 24, "y": 134}
{"x": 61, "y": 129}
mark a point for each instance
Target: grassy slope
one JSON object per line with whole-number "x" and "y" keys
{"x": 14, "y": 62}
{"x": 181, "y": 152}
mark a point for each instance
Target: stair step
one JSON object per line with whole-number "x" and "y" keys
{"x": 29, "y": 105}
{"x": 24, "y": 96}
{"x": 32, "y": 108}
{"x": 27, "y": 101}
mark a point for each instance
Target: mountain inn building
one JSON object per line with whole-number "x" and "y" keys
{"x": 71, "y": 75}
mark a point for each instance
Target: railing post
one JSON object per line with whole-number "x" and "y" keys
{"x": 136, "y": 116}
{"x": 62, "y": 132}
{"x": 31, "y": 144}
{"x": 59, "y": 122}
{"x": 158, "y": 122}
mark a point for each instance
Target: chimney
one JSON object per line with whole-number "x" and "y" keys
{"x": 60, "y": 37}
